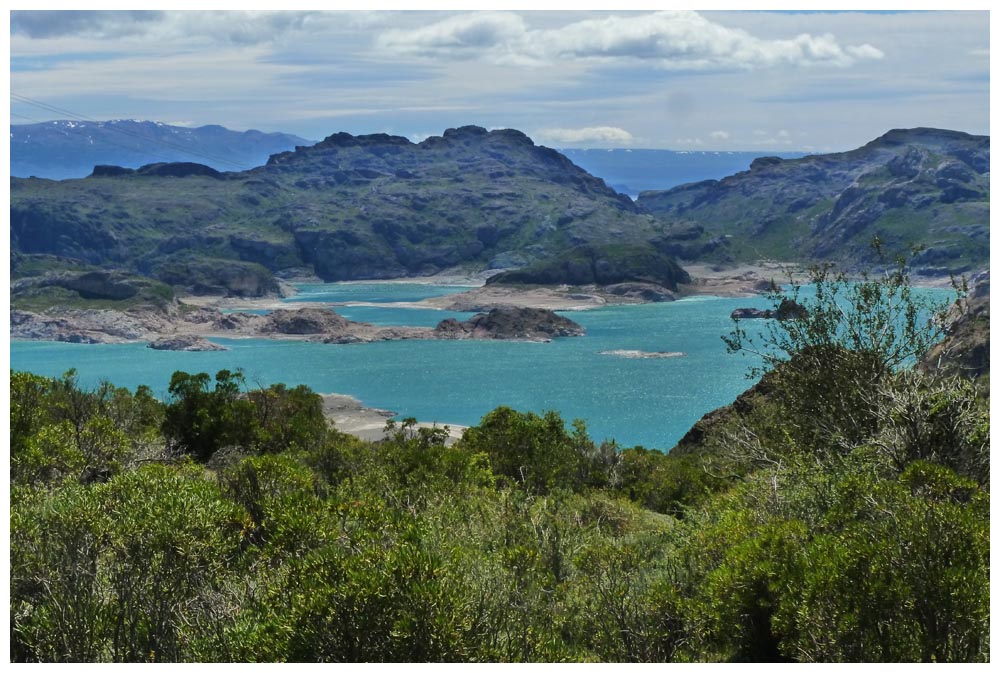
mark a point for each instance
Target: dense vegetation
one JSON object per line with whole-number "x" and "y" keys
{"x": 841, "y": 515}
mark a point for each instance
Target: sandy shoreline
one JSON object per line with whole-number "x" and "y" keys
{"x": 368, "y": 423}
{"x": 745, "y": 280}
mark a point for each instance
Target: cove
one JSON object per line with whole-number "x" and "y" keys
{"x": 648, "y": 402}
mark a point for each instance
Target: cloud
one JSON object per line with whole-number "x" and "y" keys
{"x": 226, "y": 27}
{"x": 689, "y": 141}
{"x": 52, "y": 24}
{"x": 599, "y": 134}
{"x": 457, "y": 35}
{"x": 670, "y": 40}
{"x": 719, "y": 135}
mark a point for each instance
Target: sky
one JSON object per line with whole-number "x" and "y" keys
{"x": 682, "y": 80}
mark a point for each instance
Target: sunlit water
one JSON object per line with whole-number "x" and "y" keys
{"x": 649, "y": 402}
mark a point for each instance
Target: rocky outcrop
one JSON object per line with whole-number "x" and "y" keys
{"x": 178, "y": 169}
{"x": 185, "y": 343}
{"x": 788, "y": 309}
{"x": 965, "y": 350}
{"x": 614, "y": 264}
{"x": 303, "y": 321}
{"x": 532, "y": 324}
{"x": 127, "y": 291}
{"x": 89, "y": 327}
{"x": 645, "y": 292}
{"x": 643, "y": 355}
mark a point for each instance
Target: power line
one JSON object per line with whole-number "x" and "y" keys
{"x": 181, "y": 148}
{"x": 79, "y": 117}
{"x": 103, "y": 140}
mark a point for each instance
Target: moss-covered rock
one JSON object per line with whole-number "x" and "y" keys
{"x": 600, "y": 265}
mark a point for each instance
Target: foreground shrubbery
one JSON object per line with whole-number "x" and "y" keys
{"x": 234, "y": 525}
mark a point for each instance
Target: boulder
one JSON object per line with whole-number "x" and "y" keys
{"x": 185, "y": 343}
{"x": 644, "y": 291}
{"x": 304, "y": 321}
{"x": 787, "y": 310}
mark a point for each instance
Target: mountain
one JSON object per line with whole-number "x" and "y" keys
{"x": 349, "y": 207}
{"x": 70, "y": 149}
{"x": 920, "y": 186}
{"x": 631, "y": 171}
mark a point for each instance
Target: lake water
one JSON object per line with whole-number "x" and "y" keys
{"x": 649, "y": 402}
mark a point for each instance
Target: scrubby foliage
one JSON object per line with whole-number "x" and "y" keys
{"x": 233, "y": 525}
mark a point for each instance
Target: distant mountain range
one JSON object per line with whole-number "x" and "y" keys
{"x": 631, "y": 171}
{"x": 70, "y": 149}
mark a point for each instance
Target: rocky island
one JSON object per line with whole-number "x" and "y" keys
{"x": 188, "y": 330}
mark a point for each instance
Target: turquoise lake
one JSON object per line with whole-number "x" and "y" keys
{"x": 648, "y": 402}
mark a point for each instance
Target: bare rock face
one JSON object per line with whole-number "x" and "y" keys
{"x": 304, "y": 321}
{"x": 82, "y": 326}
{"x": 965, "y": 350}
{"x": 185, "y": 343}
{"x": 641, "y": 291}
{"x": 643, "y": 355}
{"x": 533, "y": 324}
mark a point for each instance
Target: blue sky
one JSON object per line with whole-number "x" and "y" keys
{"x": 674, "y": 80}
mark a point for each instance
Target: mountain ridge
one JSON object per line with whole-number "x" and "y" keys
{"x": 923, "y": 186}
{"x": 348, "y": 207}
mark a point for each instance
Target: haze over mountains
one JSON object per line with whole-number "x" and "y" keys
{"x": 70, "y": 148}
{"x": 631, "y": 171}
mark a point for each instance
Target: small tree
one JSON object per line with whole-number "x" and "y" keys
{"x": 826, "y": 365}
{"x": 878, "y": 318}
{"x": 200, "y": 421}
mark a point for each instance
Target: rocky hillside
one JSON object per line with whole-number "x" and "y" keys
{"x": 965, "y": 350}
{"x": 349, "y": 207}
{"x": 600, "y": 265}
{"x": 70, "y": 149}
{"x": 918, "y": 186}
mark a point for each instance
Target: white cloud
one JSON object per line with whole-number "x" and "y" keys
{"x": 599, "y": 134}
{"x": 719, "y": 135}
{"x": 238, "y": 27}
{"x": 672, "y": 40}
{"x": 457, "y": 35}
{"x": 689, "y": 141}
